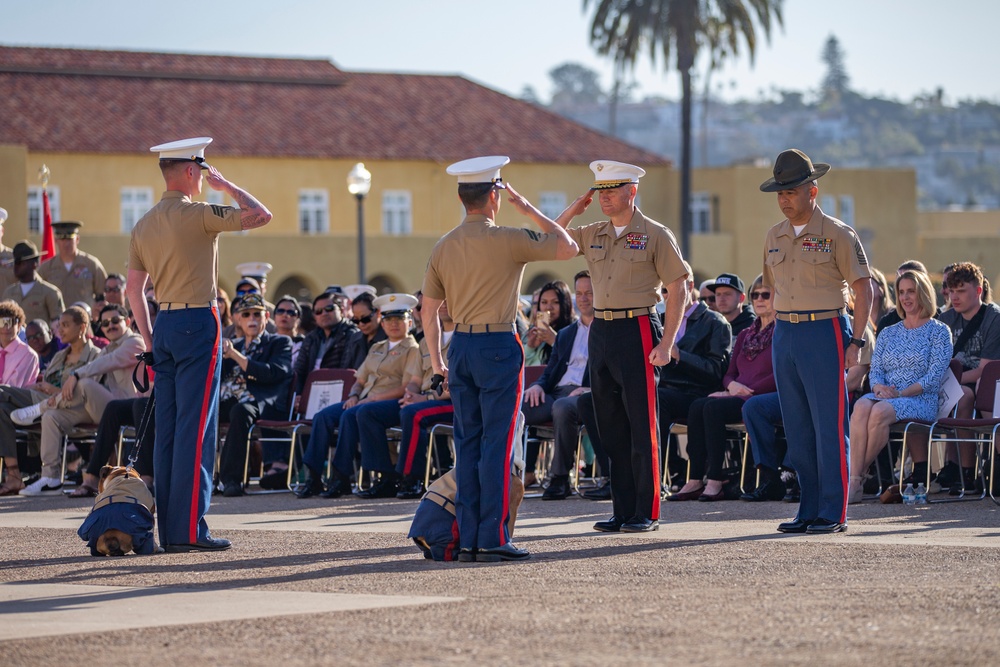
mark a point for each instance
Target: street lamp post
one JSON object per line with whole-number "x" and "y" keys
{"x": 359, "y": 182}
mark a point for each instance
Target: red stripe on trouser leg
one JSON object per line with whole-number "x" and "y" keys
{"x": 510, "y": 443}
{"x": 418, "y": 416}
{"x": 449, "y": 551}
{"x": 196, "y": 487}
{"x": 838, "y": 335}
{"x": 647, "y": 348}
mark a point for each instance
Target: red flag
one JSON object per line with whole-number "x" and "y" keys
{"x": 48, "y": 240}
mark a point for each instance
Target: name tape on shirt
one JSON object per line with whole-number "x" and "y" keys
{"x": 636, "y": 241}
{"x": 816, "y": 244}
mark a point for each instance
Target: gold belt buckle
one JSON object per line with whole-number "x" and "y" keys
{"x": 793, "y": 318}
{"x": 608, "y": 315}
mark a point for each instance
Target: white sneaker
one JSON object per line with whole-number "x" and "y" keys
{"x": 29, "y": 415}
{"x": 45, "y": 486}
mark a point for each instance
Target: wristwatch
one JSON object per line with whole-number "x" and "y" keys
{"x": 860, "y": 342}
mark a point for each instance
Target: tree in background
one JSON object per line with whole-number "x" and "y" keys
{"x": 573, "y": 84}
{"x": 620, "y": 28}
{"x": 836, "y": 82}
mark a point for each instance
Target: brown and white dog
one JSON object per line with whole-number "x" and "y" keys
{"x": 122, "y": 518}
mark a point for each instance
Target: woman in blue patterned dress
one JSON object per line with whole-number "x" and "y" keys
{"x": 908, "y": 365}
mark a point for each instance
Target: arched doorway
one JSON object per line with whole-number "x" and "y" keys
{"x": 293, "y": 286}
{"x": 385, "y": 284}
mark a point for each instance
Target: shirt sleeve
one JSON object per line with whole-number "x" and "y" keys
{"x": 433, "y": 287}
{"x": 414, "y": 364}
{"x": 527, "y": 245}
{"x": 991, "y": 336}
{"x": 576, "y": 233}
{"x": 851, "y": 257}
{"x": 669, "y": 265}
{"x": 134, "y": 259}
{"x": 217, "y": 218}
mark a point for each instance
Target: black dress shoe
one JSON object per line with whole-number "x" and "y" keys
{"x": 410, "y": 489}
{"x": 773, "y": 490}
{"x": 823, "y": 526}
{"x": 602, "y": 492}
{"x": 612, "y": 525}
{"x": 466, "y": 555}
{"x": 208, "y": 544}
{"x": 385, "y": 487}
{"x": 336, "y": 488}
{"x": 233, "y": 490}
{"x": 640, "y": 525}
{"x": 797, "y": 526}
{"x": 313, "y": 487}
{"x": 686, "y": 495}
{"x": 497, "y": 554}
{"x": 558, "y": 488}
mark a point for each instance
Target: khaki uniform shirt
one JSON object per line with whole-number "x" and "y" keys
{"x": 627, "y": 271}
{"x": 384, "y": 369}
{"x": 812, "y": 271}
{"x": 42, "y": 302}
{"x": 115, "y": 364}
{"x": 6, "y": 268}
{"x": 84, "y": 279}
{"x": 425, "y": 361}
{"x": 177, "y": 244}
{"x": 478, "y": 266}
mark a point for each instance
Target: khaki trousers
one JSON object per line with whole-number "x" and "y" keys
{"x": 90, "y": 398}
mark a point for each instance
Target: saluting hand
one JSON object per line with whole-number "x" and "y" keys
{"x": 519, "y": 202}
{"x": 215, "y": 179}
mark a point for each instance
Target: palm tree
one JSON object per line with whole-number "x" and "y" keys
{"x": 620, "y": 28}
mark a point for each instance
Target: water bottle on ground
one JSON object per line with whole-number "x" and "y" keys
{"x": 921, "y": 494}
{"x": 909, "y": 495}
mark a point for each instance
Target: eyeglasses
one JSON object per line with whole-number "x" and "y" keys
{"x": 324, "y": 309}
{"x": 286, "y": 311}
{"x": 255, "y": 314}
{"x": 364, "y": 320}
{"x": 7, "y": 322}
{"x": 241, "y": 292}
{"x": 708, "y": 299}
{"x": 760, "y": 295}
{"x": 116, "y": 319}
{"x": 112, "y": 289}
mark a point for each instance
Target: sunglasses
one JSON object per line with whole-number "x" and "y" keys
{"x": 760, "y": 295}
{"x": 364, "y": 320}
{"x": 286, "y": 311}
{"x": 7, "y": 322}
{"x": 707, "y": 299}
{"x": 324, "y": 309}
{"x": 241, "y": 292}
{"x": 117, "y": 319}
{"x": 255, "y": 314}
{"x": 112, "y": 289}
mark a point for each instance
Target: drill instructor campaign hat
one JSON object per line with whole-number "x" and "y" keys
{"x": 792, "y": 169}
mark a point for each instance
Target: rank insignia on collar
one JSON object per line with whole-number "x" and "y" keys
{"x": 635, "y": 241}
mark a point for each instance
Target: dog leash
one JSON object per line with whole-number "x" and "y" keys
{"x": 145, "y": 360}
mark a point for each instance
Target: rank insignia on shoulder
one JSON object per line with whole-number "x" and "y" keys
{"x": 636, "y": 241}
{"x": 220, "y": 210}
{"x": 533, "y": 234}
{"x": 862, "y": 260}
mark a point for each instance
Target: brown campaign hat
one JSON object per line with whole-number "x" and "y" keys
{"x": 25, "y": 250}
{"x": 792, "y": 169}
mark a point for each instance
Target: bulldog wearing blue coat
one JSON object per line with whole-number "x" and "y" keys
{"x": 122, "y": 518}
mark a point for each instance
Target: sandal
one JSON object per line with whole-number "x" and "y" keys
{"x": 14, "y": 483}
{"x": 83, "y": 491}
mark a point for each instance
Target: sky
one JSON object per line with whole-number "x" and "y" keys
{"x": 893, "y": 48}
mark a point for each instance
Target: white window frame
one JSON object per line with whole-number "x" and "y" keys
{"x": 397, "y": 212}
{"x": 701, "y": 213}
{"x": 134, "y": 201}
{"x": 551, "y": 203}
{"x": 829, "y": 205}
{"x": 847, "y": 210}
{"x": 35, "y": 220}
{"x": 314, "y": 211}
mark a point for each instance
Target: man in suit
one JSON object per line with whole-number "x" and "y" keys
{"x": 553, "y": 397}
{"x": 256, "y": 375}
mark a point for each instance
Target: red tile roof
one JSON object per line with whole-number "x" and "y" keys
{"x": 68, "y": 100}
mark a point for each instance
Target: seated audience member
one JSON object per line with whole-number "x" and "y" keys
{"x": 421, "y": 408}
{"x": 382, "y": 378}
{"x": 18, "y": 361}
{"x": 554, "y": 313}
{"x": 762, "y": 416}
{"x": 882, "y": 301}
{"x": 85, "y": 393}
{"x": 418, "y": 326}
{"x": 730, "y": 302}
{"x": 307, "y": 321}
{"x": 892, "y": 316}
{"x": 588, "y": 418}
{"x": 39, "y": 299}
{"x": 223, "y": 300}
{"x": 38, "y": 335}
{"x": 552, "y": 398}
{"x": 908, "y": 365}
{"x": 368, "y": 321}
{"x": 975, "y": 330}
{"x": 750, "y": 373}
{"x": 857, "y": 375}
{"x": 705, "y": 294}
{"x": 701, "y": 356}
{"x": 326, "y": 345}
{"x": 246, "y": 285}
{"x": 119, "y": 413}
{"x": 99, "y": 341}
{"x": 114, "y": 289}
{"x": 74, "y": 326}
{"x": 256, "y": 372}
{"x": 287, "y": 315}
{"x": 95, "y": 315}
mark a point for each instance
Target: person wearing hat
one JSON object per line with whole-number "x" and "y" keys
{"x": 631, "y": 258}
{"x": 380, "y": 383}
{"x": 810, "y": 261}
{"x": 78, "y": 276}
{"x": 249, "y": 285}
{"x": 730, "y": 302}
{"x": 258, "y": 271}
{"x": 256, "y": 376}
{"x": 39, "y": 299}
{"x": 477, "y": 267}
{"x": 175, "y": 244}
{"x": 6, "y": 258}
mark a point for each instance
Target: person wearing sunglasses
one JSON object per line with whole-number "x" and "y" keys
{"x": 368, "y": 320}
{"x": 381, "y": 381}
{"x": 114, "y": 289}
{"x": 256, "y": 373}
{"x": 18, "y": 368}
{"x": 326, "y": 346}
{"x": 85, "y": 392}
